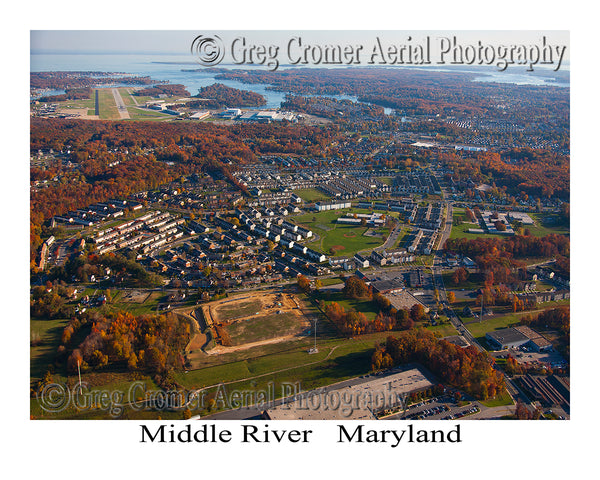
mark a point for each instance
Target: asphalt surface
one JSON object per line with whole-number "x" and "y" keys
{"x": 124, "y": 114}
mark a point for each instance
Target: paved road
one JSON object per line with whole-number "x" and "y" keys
{"x": 132, "y": 97}
{"x": 391, "y": 239}
{"x": 512, "y": 389}
{"x": 124, "y": 114}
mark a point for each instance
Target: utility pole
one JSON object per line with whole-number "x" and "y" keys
{"x": 314, "y": 349}
{"x": 481, "y": 313}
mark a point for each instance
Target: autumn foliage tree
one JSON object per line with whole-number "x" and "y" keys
{"x": 460, "y": 275}
{"x": 464, "y": 368}
{"x": 303, "y": 283}
{"x": 356, "y": 288}
{"x": 149, "y": 342}
{"x": 356, "y": 323}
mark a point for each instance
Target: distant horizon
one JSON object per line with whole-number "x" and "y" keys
{"x": 164, "y": 53}
{"x": 179, "y": 42}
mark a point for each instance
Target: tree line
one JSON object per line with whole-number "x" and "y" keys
{"x": 151, "y": 343}
{"x": 498, "y": 258}
{"x": 465, "y": 368}
{"x": 218, "y": 95}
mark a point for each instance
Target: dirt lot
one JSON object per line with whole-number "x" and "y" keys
{"x": 250, "y": 320}
{"x": 135, "y": 296}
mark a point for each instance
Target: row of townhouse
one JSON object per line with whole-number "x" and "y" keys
{"x": 391, "y": 257}
{"x": 429, "y": 216}
{"x": 422, "y": 241}
{"x": 352, "y": 187}
{"x": 415, "y": 183}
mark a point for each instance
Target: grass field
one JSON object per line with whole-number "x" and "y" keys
{"x": 479, "y": 329}
{"x": 351, "y": 238}
{"x": 546, "y": 224}
{"x": 147, "y": 306}
{"x": 264, "y": 327}
{"x": 365, "y": 306}
{"x": 127, "y": 97}
{"x": 445, "y": 330}
{"x": 349, "y": 358}
{"x": 460, "y": 231}
{"x": 120, "y": 387}
{"x": 499, "y": 400}
{"x": 136, "y": 113}
{"x": 108, "y": 107}
{"x": 310, "y": 195}
{"x": 331, "y": 281}
{"x": 227, "y": 311}
{"x": 41, "y": 357}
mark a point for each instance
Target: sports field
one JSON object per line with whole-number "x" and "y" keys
{"x": 336, "y": 239}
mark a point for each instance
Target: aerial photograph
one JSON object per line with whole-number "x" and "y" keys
{"x": 299, "y": 225}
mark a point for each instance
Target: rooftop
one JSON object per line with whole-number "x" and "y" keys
{"x": 507, "y": 335}
{"x": 355, "y": 402}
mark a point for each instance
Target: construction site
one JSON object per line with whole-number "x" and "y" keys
{"x": 250, "y": 320}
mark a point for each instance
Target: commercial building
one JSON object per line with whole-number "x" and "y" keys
{"x": 516, "y": 337}
{"x": 360, "y": 401}
{"x": 506, "y": 338}
{"x": 200, "y": 115}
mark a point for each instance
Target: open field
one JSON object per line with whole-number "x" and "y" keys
{"x": 262, "y": 327}
{"x": 474, "y": 280}
{"x": 350, "y": 238}
{"x": 479, "y": 329}
{"x": 108, "y": 107}
{"x": 130, "y": 387}
{"x": 461, "y": 230}
{"x": 83, "y": 108}
{"x": 545, "y": 224}
{"x": 127, "y": 97}
{"x": 331, "y": 281}
{"x": 365, "y": 306}
{"x": 136, "y": 113}
{"x": 231, "y": 310}
{"x": 135, "y": 302}
{"x": 499, "y": 400}
{"x": 338, "y": 359}
{"x": 445, "y": 330}
{"x": 250, "y": 320}
{"x": 47, "y": 334}
{"x": 310, "y": 195}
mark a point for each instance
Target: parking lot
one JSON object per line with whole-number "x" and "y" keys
{"x": 438, "y": 408}
{"x": 525, "y": 356}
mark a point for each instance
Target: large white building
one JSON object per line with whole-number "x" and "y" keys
{"x": 321, "y": 206}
